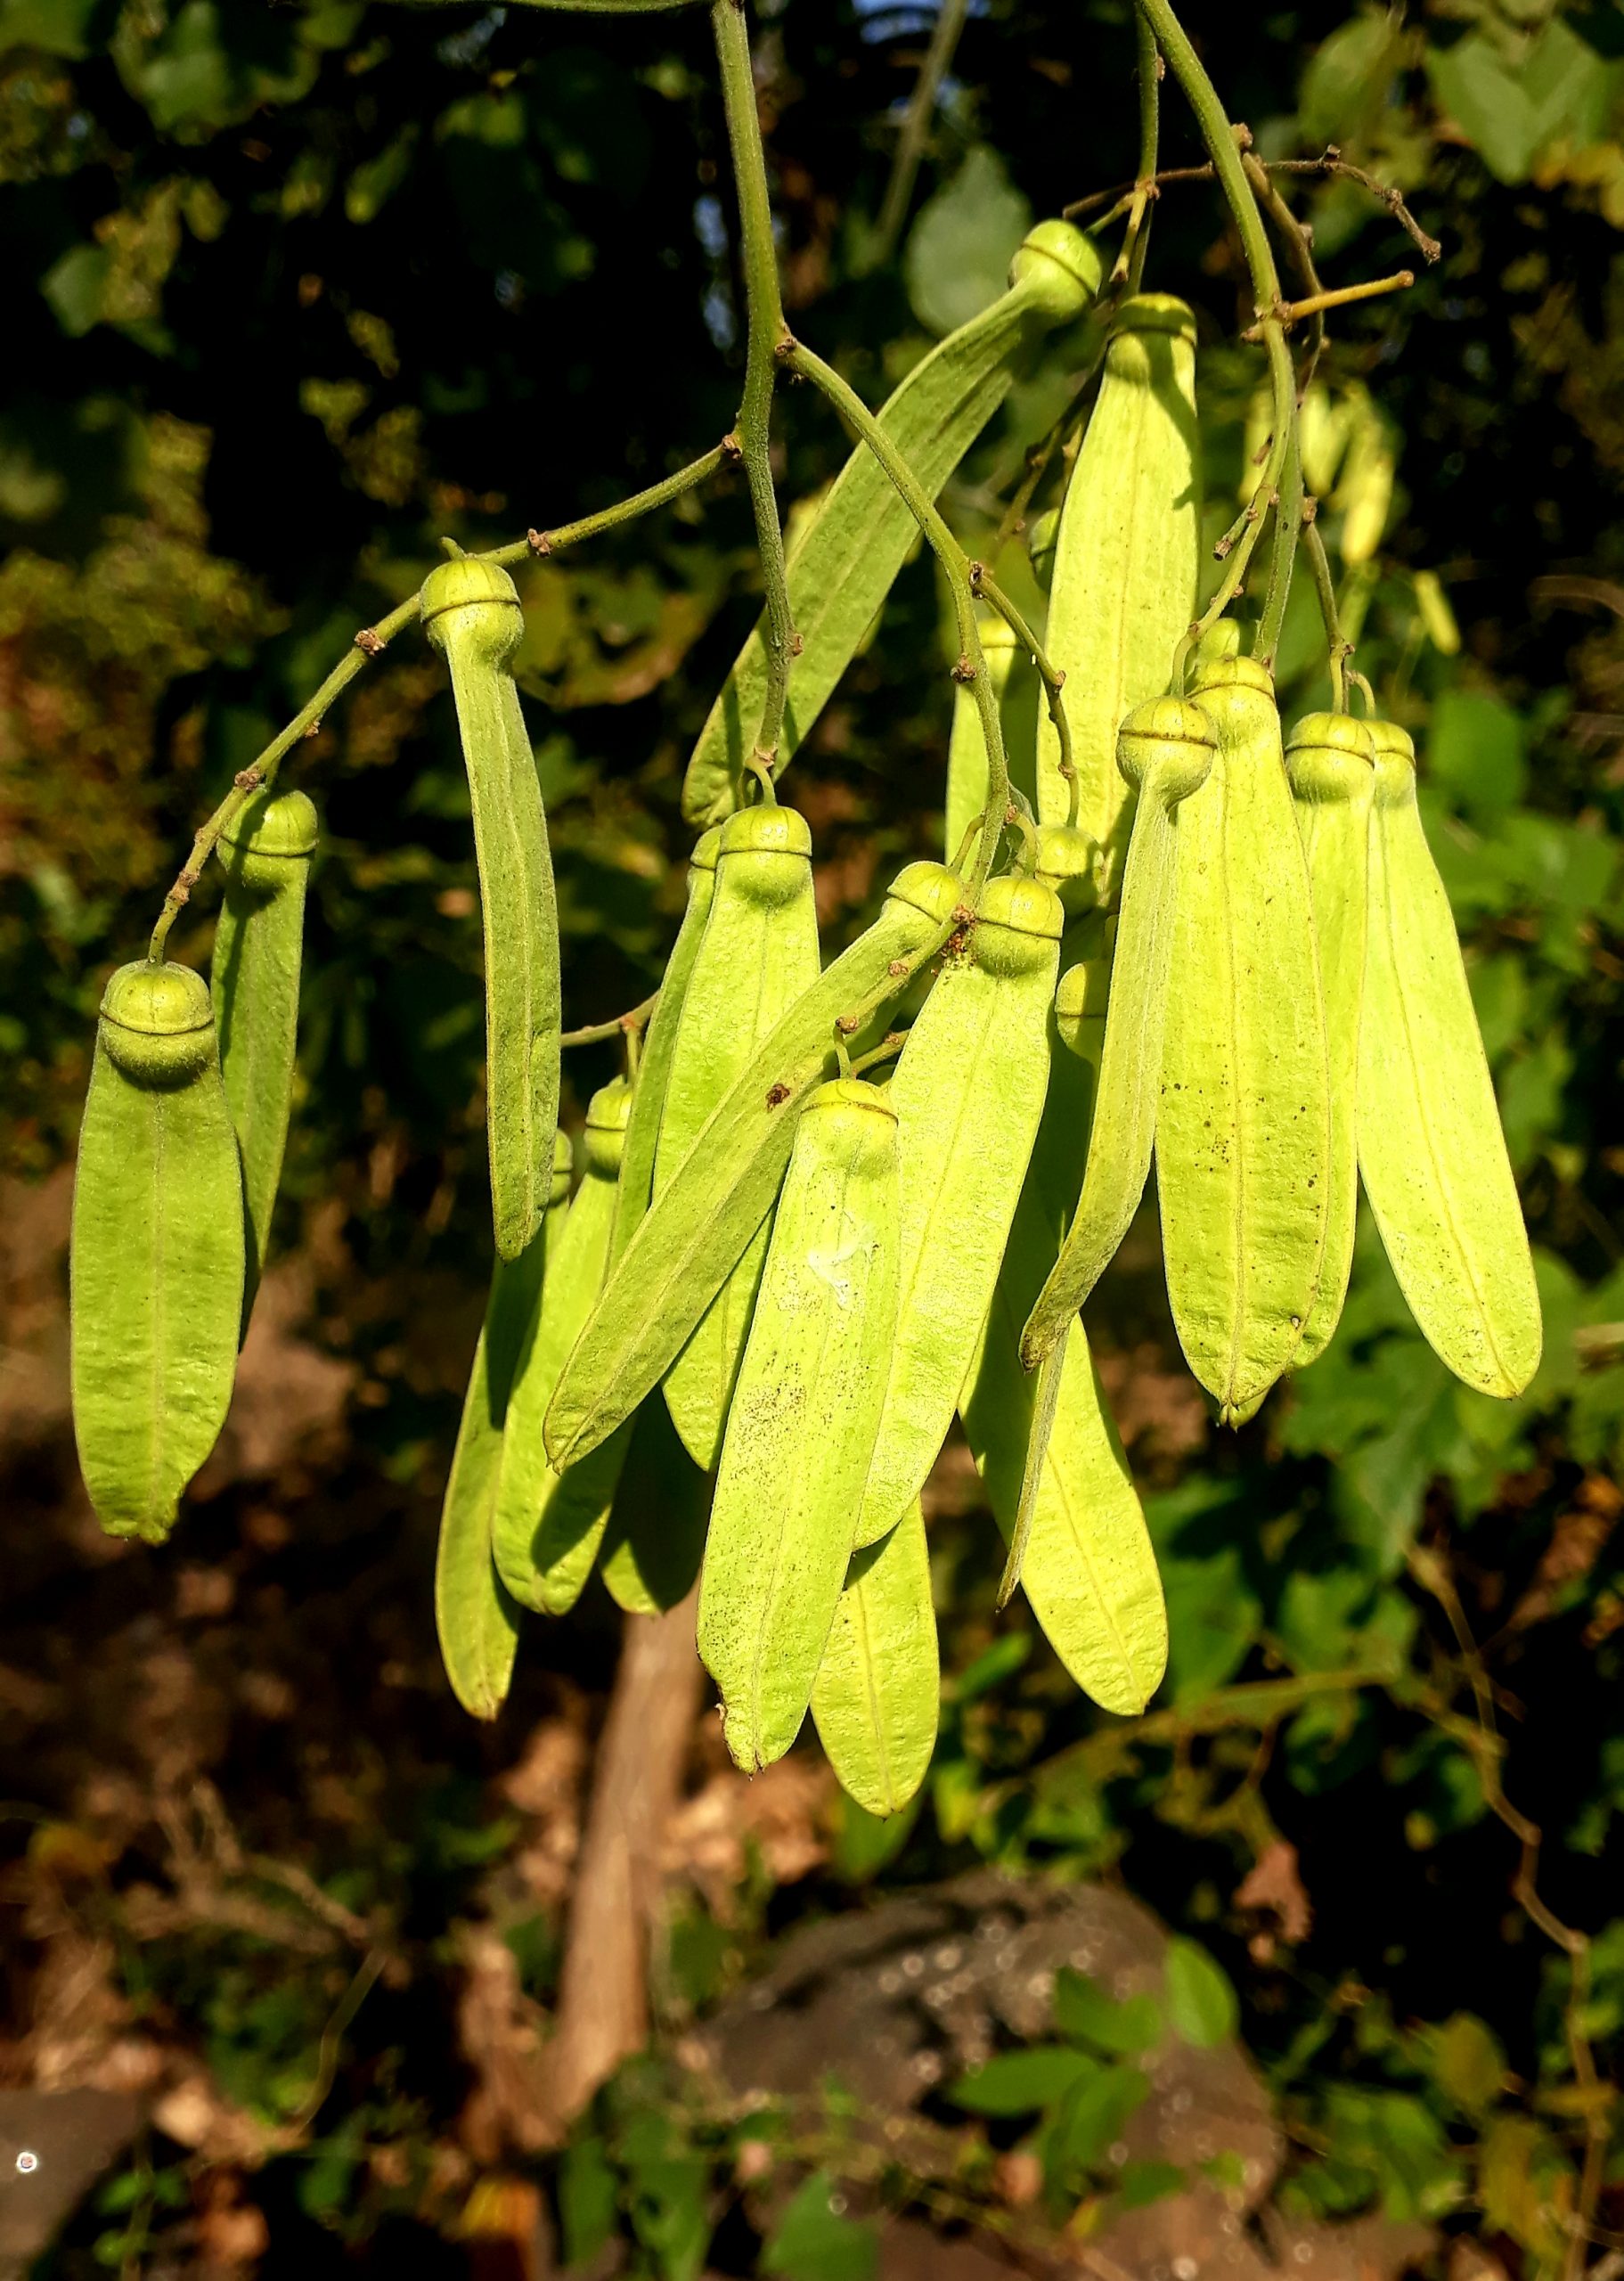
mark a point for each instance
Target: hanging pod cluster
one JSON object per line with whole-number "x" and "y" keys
{"x": 800, "y": 1248}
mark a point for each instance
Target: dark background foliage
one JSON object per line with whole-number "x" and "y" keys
{"x": 296, "y": 290}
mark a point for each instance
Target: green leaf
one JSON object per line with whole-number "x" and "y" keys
{"x": 1093, "y": 2116}
{"x": 815, "y": 2240}
{"x": 959, "y": 253}
{"x": 1344, "y": 78}
{"x": 1475, "y": 751}
{"x": 1084, "y": 2012}
{"x": 1022, "y": 2082}
{"x": 75, "y": 287}
{"x": 1201, "y": 2003}
{"x": 1467, "y": 2063}
{"x": 587, "y": 2198}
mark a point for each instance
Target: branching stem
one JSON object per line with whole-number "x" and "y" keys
{"x": 1336, "y": 642}
{"x": 636, "y": 1018}
{"x": 972, "y": 666}
{"x": 986, "y": 589}
{"x": 1220, "y": 137}
{"x": 764, "y": 318}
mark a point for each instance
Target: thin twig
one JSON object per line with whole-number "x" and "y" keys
{"x": 372, "y": 641}
{"x": 916, "y": 127}
{"x": 538, "y": 545}
{"x": 1129, "y": 270}
{"x": 1339, "y": 648}
{"x": 764, "y": 322}
{"x": 985, "y": 588}
{"x": 1336, "y": 296}
{"x": 1480, "y": 1739}
{"x": 636, "y": 1017}
{"x": 1330, "y": 164}
{"x": 1221, "y": 141}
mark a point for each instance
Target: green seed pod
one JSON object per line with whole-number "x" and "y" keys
{"x": 254, "y": 981}
{"x": 722, "y": 1193}
{"x": 1331, "y": 762}
{"x": 1431, "y": 1151}
{"x": 975, "y": 1064}
{"x": 636, "y": 1189}
{"x": 879, "y": 1684}
{"x": 656, "y": 1536}
{"x": 1086, "y": 1568}
{"x": 157, "y": 1260}
{"x": 1125, "y": 563}
{"x": 845, "y": 566}
{"x": 1041, "y": 539}
{"x": 1015, "y": 685}
{"x": 1068, "y": 862}
{"x": 1243, "y": 1124}
{"x": 804, "y": 1415}
{"x": 1166, "y": 751}
{"x": 759, "y": 954}
{"x": 547, "y": 1523}
{"x": 471, "y": 612}
{"x": 476, "y": 1617}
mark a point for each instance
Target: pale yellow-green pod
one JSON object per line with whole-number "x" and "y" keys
{"x": 1125, "y": 564}
{"x": 679, "y": 1257}
{"x": 1068, "y": 862}
{"x": 156, "y": 1263}
{"x": 635, "y": 1191}
{"x": 1244, "y": 1121}
{"x": 653, "y": 1545}
{"x": 758, "y": 955}
{"x": 1087, "y": 1567}
{"x": 470, "y": 612}
{"x": 1166, "y": 750}
{"x": 968, "y": 1094}
{"x": 547, "y": 1525}
{"x": 1014, "y": 683}
{"x": 879, "y": 1684}
{"x": 1331, "y": 762}
{"x": 1431, "y": 1151}
{"x": 1364, "y": 492}
{"x": 475, "y": 1616}
{"x": 805, "y": 1412}
{"x": 253, "y": 979}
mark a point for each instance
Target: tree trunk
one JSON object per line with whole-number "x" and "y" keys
{"x": 603, "y": 1990}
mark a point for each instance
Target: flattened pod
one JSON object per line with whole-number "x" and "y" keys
{"x": 1331, "y": 762}
{"x": 724, "y": 1189}
{"x": 1244, "y": 1124}
{"x": 759, "y": 954}
{"x": 968, "y": 1094}
{"x": 656, "y": 1537}
{"x": 842, "y": 570}
{"x": 548, "y": 1524}
{"x": 157, "y": 1259}
{"x": 879, "y": 1684}
{"x": 801, "y": 1430}
{"x": 471, "y": 612}
{"x": 253, "y": 980}
{"x": 1125, "y": 563}
{"x": 1016, "y": 692}
{"x": 1431, "y": 1154}
{"x": 1166, "y": 750}
{"x": 1089, "y": 1570}
{"x": 635, "y": 1191}
{"x": 475, "y": 1616}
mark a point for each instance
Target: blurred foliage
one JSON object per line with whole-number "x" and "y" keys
{"x": 299, "y": 289}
